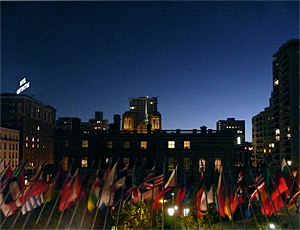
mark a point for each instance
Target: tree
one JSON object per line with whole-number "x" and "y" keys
{"x": 132, "y": 216}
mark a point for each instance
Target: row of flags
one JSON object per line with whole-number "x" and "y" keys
{"x": 113, "y": 189}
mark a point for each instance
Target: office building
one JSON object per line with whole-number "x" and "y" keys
{"x": 262, "y": 134}
{"x": 36, "y": 123}
{"x": 9, "y": 146}
{"x": 285, "y": 102}
{"x": 238, "y": 126}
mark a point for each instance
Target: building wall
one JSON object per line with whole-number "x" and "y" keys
{"x": 36, "y": 123}
{"x": 285, "y": 102}
{"x": 236, "y": 125}
{"x": 9, "y": 146}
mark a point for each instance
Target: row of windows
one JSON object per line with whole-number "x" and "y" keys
{"x": 10, "y": 155}
{"x": 11, "y": 137}
{"x": 33, "y": 145}
{"x": 33, "y": 139}
{"x": 126, "y": 145}
{"x": 171, "y": 163}
{"x": 10, "y": 146}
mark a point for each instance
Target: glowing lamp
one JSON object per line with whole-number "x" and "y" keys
{"x": 289, "y": 163}
{"x": 272, "y": 226}
{"x": 171, "y": 211}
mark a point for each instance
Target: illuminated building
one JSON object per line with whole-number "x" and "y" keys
{"x": 142, "y": 111}
{"x": 36, "y": 123}
{"x": 238, "y": 126}
{"x": 9, "y": 146}
{"x": 285, "y": 102}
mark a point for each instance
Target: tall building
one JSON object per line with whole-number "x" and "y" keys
{"x": 142, "y": 112}
{"x": 36, "y": 123}
{"x": 9, "y": 146}
{"x": 285, "y": 102}
{"x": 238, "y": 126}
{"x": 262, "y": 134}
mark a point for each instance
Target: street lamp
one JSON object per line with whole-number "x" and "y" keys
{"x": 186, "y": 211}
{"x": 272, "y": 226}
{"x": 171, "y": 211}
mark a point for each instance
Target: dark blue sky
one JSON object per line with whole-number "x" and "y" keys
{"x": 205, "y": 61}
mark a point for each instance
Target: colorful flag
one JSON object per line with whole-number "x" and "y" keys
{"x": 238, "y": 195}
{"x": 50, "y": 187}
{"x": 295, "y": 192}
{"x": 32, "y": 203}
{"x": 201, "y": 204}
{"x": 221, "y": 196}
{"x": 158, "y": 201}
{"x": 107, "y": 189}
{"x": 94, "y": 194}
{"x": 180, "y": 197}
{"x": 71, "y": 192}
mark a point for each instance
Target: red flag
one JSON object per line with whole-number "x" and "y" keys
{"x": 179, "y": 200}
{"x": 71, "y": 192}
{"x": 157, "y": 204}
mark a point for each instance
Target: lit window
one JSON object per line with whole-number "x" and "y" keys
{"x": 32, "y": 139}
{"x": 171, "y": 163}
{"x": 26, "y": 138}
{"x": 37, "y": 145}
{"x": 277, "y": 138}
{"x": 276, "y": 82}
{"x": 85, "y": 144}
{"x": 126, "y": 161}
{"x": 186, "y": 164}
{"x": 107, "y": 160}
{"x": 186, "y": 144}
{"x": 109, "y": 144}
{"x": 84, "y": 162}
{"x": 65, "y": 164}
{"x": 288, "y": 135}
{"x": 239, "y": 140}
{"x": 32, "y": 146}
{"x": 171, "y": 144}
{"x": 201, "y": 164}
{"x": 38, "y": 127}
{"x": 143, "y": 144}
{"x": 218, "y": 164}
{"x": 38, "y": 140}
{"x": 277, "y": 131}
{"x": 26, "y": 145}
{"x": 126, "y": 144}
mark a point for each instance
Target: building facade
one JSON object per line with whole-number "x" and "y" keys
{"x": 36, "y": 123}
{"x": 285, "y": 102}
{"x": 142, "y": 111}
{"x": 9, "y": 146}
{"x": 238, "y": 126}
{"x": 262, "y": 134}
{"x": 185, "y": 148}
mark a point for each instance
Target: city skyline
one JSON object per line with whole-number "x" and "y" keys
{"x": 205, "y": 61}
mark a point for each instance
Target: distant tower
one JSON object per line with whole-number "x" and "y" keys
{"x": 143, "y": 110}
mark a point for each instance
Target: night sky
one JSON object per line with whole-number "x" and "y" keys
{"x": 205, "y": 61}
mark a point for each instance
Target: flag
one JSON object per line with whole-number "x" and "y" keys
{"x": 71, "y": 192}
{"x": 228, "y": 202}
{"x": 94, "y": 194}
{"x": 180, "y": 197}
{"x": 10, "y": 191}
{"x": 119, "y": 182}
{"x": 259, "y": 184}
{"x": 157, "y": 204}
{"x": 221, "y": 196}
{"x": 201, "y": 204}
{"x": 238, "y": 195}
{"x": 189, "y": 189}
{"x": 295, "y": 191}
{"x": 33, "y": 188}
{"x": 107, "y": 189}
{"x": 32, "y": 203}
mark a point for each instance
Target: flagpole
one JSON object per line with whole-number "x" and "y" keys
{"x": 99, "y": 196}
{"x": 50, "y": 192}
{"x": 39, "y": 196}
{"x": 96, "y": 175}
{"x": 63, "y": 211}
{"x": 207, "y": 206}
{"x": 176, "y": 188}
{"x": 259, "y": 195}
{"x": 235, "y": 192}
{"x": 111, "y": 191}
{"x": 15, "y": 202}
{"x": 218, "y": 204}
{"x": 163, "y": 196}
{"x": 81, "y": 193}
{"x": 294, "y": 181}
{"x": 274, "y": 184}
{"x": 65, "y": 181}
{"x": 36, "y": 176}
{"x": 140, "y": 210}
{"x": 121, "y": 199}
{"x": 152, "y": 195}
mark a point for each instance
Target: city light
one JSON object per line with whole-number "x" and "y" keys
{"x": 186, "y": 211}
{"x": 289, "y": 163}
{"x": 272, "y": 226}
{"x": 171, "y": 211}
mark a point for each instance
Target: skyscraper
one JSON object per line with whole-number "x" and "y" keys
{"x": 285, "y": 101}
{"x": 142, "y": 111}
